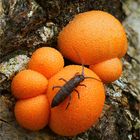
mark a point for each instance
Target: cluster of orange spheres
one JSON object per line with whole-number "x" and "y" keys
{"x": 29, "y": 86}
{"x": 97, "y": 39}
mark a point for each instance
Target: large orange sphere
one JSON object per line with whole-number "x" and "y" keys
{"x": 28, "y": 83}
{"x": 95, "y": 36}
{"x": 33, "y": 113}
{"x": 82, "y": 112}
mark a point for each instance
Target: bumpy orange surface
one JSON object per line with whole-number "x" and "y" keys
{"x": 109, "y": 70}
{"x": 95, "y": 35}
{"x": 28, "y": 83}
{"x": 47, "y": 61}
{"x": 32, "y": 113}
{"x": 82, "y": 113}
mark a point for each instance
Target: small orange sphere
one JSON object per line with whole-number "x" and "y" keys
{"x": 33, "y": 113}
{"x": 95, "y": 35}
{"x": 82, "y": 112}
{"x": 109, "y": 70}
{"x": 28, "y": 83}
{"x": 47, "y": 61}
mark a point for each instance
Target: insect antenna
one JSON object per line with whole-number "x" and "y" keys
{"x": 80, "y": 60}
{"x": 93, "y": 78}
{"x": 78, "y": 54}
{"x": 82, "y": 69}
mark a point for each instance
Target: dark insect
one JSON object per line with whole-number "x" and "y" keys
{"x": 68, "y": 88}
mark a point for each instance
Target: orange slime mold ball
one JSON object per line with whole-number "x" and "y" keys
{"x": 28, "y": 83}
{"x": 109, "y": 70}
{"x": 82, "y": 113}
{"x": 47, "y": 61}
{"x": 96, "y": 35}
{"x": 33, "y": 113}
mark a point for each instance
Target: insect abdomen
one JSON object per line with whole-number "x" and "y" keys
{"x": 66, "y": 90}
{"x": 59, "y": 97}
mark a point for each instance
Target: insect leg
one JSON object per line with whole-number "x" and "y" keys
{"x": 77, "y": 73}
{"x": 82, "y": 85}
{"x": 63, "y": 79}
{"x": 68, "y": 102}
{"x": 55, "y": 87}
{"x": 77, "y": 93}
